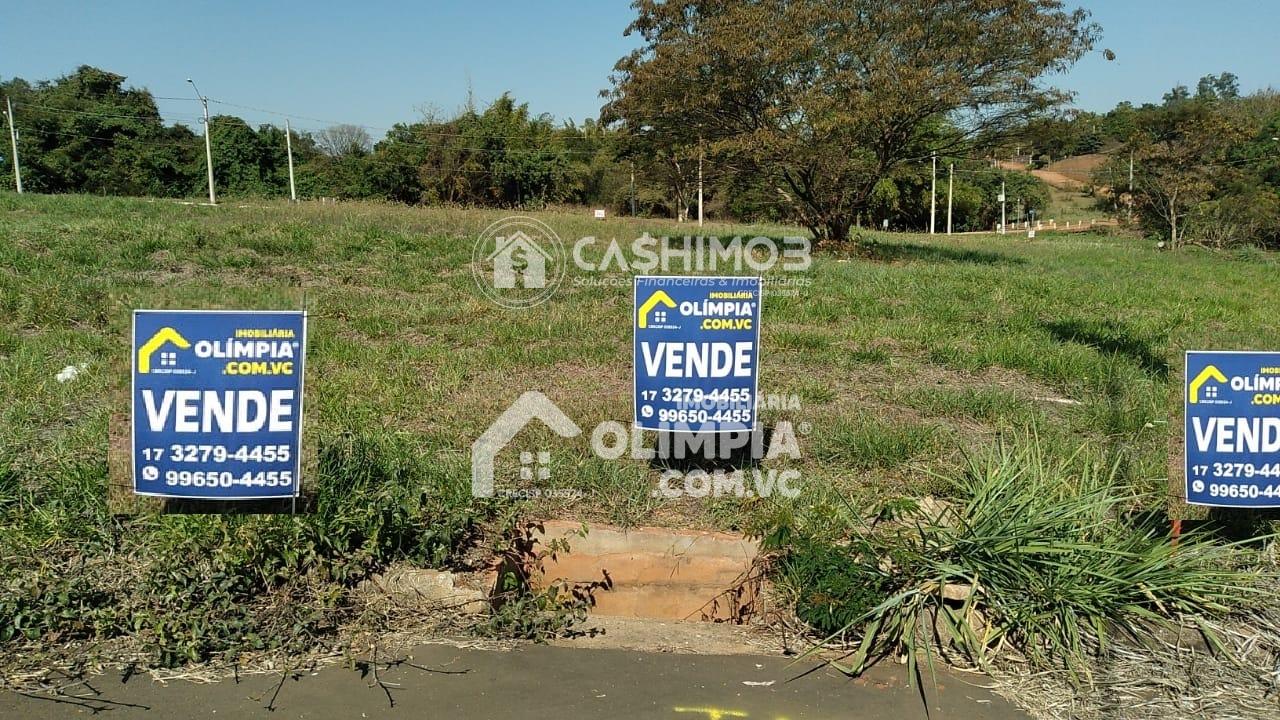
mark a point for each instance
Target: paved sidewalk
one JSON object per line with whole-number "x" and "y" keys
{"x": 537, "y": 682}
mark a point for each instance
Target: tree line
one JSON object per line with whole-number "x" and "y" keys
{"x": 87, "y": 132}
{"x": 1206, "y": 168}
{"x": 824, "y": 114}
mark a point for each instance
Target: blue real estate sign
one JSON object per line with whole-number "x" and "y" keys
{"x": 696, "y": 354}
{"x": 217, "y": 403}
{"x": 1232, "y": 433}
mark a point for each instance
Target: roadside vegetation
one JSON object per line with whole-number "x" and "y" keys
{"x": 909, "y": 357}
{"x": 1052, "y": 573}
{"x": 986, "y": 424}
{"x": 1032, "y": 554}
{"x": 182, "y": 589}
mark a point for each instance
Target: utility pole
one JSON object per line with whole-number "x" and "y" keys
{"x": 700, "y": 155}
{"x": 288, "y": 147}
{"x": 208, "y": 149}
{"x": 951, "y": 183}
{"x": 1130, "y": 186}
{"x": 933, "y": 194}
{"x": 1002, "y": 219}
{"x": 633, "y": 189}
{"x": 13, "y": 141}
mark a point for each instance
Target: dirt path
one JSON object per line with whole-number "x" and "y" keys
{"x": 1058, "y": 180}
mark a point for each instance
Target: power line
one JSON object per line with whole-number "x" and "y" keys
{"x": 215, "y": 123}
{"x": 160, "y": 117}
{"x": 438, "y": 172}
{"x": 410, "y": 129}
{"x": 115, "y": 138}
{"x": 70, "y": 111}
{"x": 374, "y": 128}
{"x": 464, "y": 136}
{"x": 193, "y": 145}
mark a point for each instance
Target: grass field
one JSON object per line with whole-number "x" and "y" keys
{"x": 1073, "y": 206}
{"x": 905, "y": 353}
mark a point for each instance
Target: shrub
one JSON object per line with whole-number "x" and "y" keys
{"x": 1049, "y": 557}
{"x": 833, "y": 586}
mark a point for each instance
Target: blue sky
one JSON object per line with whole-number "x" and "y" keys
{"x": 375, "y": 63}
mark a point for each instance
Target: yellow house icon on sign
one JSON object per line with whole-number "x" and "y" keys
{"x": 1208, "y": 373}
{"x": 659, "y": 297}
{"x": 157, "y": 341}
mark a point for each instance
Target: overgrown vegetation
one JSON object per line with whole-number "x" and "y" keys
{"x": 902, "y": 353}
{"x": 1045, "y": 558}
{"x": 86, "y": 132}
{"x": 187, "y": 588}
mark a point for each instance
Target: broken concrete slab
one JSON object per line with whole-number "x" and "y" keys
{"x": 426, "y": 589}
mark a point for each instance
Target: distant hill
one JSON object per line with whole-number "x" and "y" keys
{"x": 1073, "y": 173}
{"x": 1078, "y": 168}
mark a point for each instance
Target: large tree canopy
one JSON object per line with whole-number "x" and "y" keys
{"x": 821, "y": 99}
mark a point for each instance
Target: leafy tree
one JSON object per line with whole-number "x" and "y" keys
{"x": 824, "y": 99}
{"x": 1055, "y": 136}
{"x": 237, "y": 157}
{"x": 885, "y": 201}
{"x": 1177, "y": 94}
{"x": 1225, "y": 86}
{"x": 1180, "y": 156}
{"x": 503, "y": 156}
{"x": 394, "y": 168}
{"x": 85, "y": 132}
{"x": 1120, "y": 124}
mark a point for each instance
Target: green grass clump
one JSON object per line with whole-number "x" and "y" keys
{"x": 1051, "y": 557}
{"x": 834, "y": 586}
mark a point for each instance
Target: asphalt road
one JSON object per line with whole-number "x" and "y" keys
{"x": 440, "y": 681}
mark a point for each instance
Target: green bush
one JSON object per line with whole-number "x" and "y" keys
{"x": 834, "y": 587}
